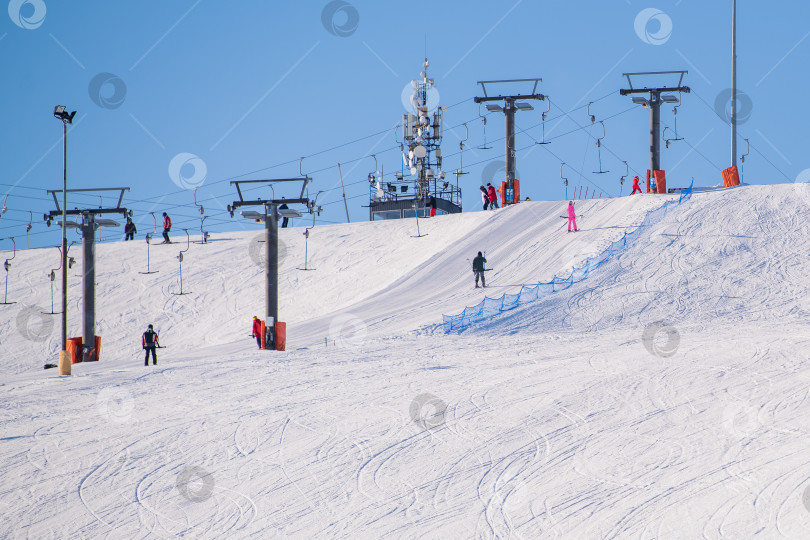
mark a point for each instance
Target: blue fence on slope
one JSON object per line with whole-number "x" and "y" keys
{"x": 489, "y": 307}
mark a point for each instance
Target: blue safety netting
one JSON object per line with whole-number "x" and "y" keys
{"x": 490, "y": 307}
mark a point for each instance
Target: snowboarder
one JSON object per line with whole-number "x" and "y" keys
{"x": 129, "y": 230}
{"x": 167, "y": 227}
{"x": 150, "y": 341}
{"x": 484, "y": 197}
{"x": 257, "y": 331}
{"x": 478, "y": 269}
{"x": 493, "y": 197}
{"x": 572, "y": 216}
{"x": 432, "y": 205}
{"x": 636, "y": 187}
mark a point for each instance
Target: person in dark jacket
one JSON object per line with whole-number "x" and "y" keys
{"x": 150, "y": 341}
{"x": 167, "y": 226}
{"x": 257, "y": 331}
{"x": 285, "y": 220}
{"x": 478, "y": 269}
{"x": 129, "y": 230}
{"x": 432, "y": 205}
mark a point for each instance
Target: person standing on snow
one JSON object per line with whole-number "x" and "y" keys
{"x": 485, "y": 197}
{"x": 257, "y": 331}
{"x": 572, "y": 216}
{"x": 636, "y": 187}
{"x": 167, "y": 226}
{"x": 478, "y": 269}
{"x": 432, "y": 205}
{"x": 150, "y": 341}
{"x": 493, "y": 197}
{"x": 129, "y": 230}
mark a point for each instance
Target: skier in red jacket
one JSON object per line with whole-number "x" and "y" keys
{"x": 493, "y": 197}
{"x": 257, "y": 331}
{"x": 636, "y": 187}
{"x": 167, "y": 226}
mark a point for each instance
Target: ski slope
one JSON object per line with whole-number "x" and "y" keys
{"x": 559, "y": 419}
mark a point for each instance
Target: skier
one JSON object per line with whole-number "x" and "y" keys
{"x": 432, "y": 205}
{"x": 150, "y": 341}
{"x": 167, "y": 226}
{"x": 636, "y": 187}
{"x": 478, "y": 269}
{"x": 493, "y": 197}
{"x": 572, "y": 216}
{"x": 484, "y": 197}
{"x": 257, "y": 331}
{"x": 129, "y": 230}
{"x": 286, "y": 220}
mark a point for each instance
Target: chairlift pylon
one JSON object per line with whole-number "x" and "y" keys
{"x": 599, "y": 150}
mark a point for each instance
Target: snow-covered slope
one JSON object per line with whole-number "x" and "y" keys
{"x": 377, "y": 272}
{"x": 566, "y": 418}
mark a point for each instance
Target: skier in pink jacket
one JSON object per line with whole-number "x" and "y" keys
{"x": 572, "y": 216}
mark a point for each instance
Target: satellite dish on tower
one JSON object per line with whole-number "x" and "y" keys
{"x": 420, "y": 151}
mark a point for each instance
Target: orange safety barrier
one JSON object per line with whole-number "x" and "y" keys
{"x": 264, "y": 336}
{"x": 660, "y": 181}
{"x": 502, "y": 192}
{"x": 281, "y": 336}
{"x": 516, "y": 198}
{"x": 74, "y": 349}
{"x": 731, "y": 177}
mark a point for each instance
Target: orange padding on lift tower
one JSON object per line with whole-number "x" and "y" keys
{"x": 281, "y": 336}
{"x": 661, "y": 182}
{"x": 648, "y": 180}
{"x": 74, "y": 350}
{"x": 516, "y": 183}
{"x": 263, "y": 336}
{"x": 731, "y": 177}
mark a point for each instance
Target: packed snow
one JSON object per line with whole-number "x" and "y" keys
{"x": 660, "y": 398}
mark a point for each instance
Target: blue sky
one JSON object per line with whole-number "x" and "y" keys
{"x": 249, "y": 88}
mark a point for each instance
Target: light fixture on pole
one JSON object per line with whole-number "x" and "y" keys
{"x": 60, "y": 113}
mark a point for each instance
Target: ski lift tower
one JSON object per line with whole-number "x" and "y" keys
{"x": 270, "y": 217}
{"x": 88, "y": 226}
{"x": 510, "y": 106}
{"x": 422, "y": 132}
{"x": 653, "y": 102}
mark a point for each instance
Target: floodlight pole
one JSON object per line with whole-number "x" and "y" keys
{"x": 64, "y": 240}
{"x": 733, "y": 82}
